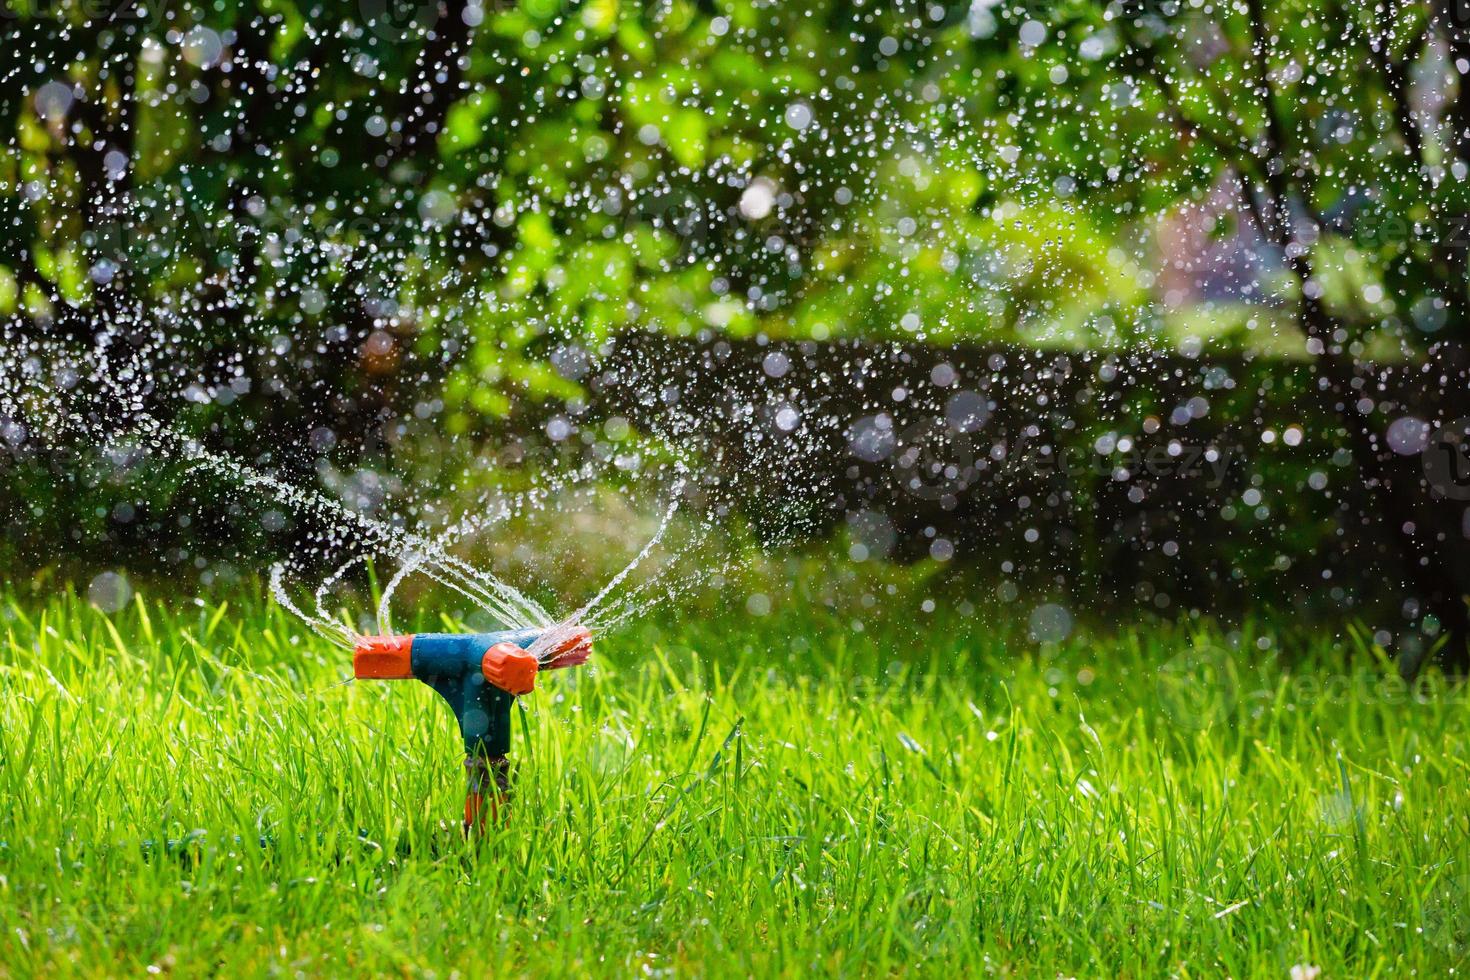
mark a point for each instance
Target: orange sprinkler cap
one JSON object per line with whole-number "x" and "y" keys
{"x": 578, "y": 642}
{"x": 481, "y": 809}
{"x": 510, "y": 668}
{"x": 383, "y": 658}
{"x": 569, "y": 652}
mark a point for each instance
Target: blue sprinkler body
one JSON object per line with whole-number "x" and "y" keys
{"x": 453, "y": 665}
{"x": 479, "y": 675}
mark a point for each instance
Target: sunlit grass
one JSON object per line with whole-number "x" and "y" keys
{"x": 737, "y": 796}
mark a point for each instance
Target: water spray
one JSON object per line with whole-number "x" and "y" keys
{"x": 479, "y": 675}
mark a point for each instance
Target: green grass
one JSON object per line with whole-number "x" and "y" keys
{"x": 729, "y": 797}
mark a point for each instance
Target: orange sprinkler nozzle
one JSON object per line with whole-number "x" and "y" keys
{"x": 383, "y": 658}
{"x": 510, "y": 668}
{"x": 488, "y": 796}
{"x": 571, "y": 651}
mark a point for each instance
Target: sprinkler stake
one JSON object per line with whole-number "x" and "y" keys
{"x": 479, "y": 675}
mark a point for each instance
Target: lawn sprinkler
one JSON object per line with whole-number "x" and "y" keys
{"x": 480, "y": 675}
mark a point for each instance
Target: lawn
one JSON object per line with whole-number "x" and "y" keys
{"x": 737, "y": 795}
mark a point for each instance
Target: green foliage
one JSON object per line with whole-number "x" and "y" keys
{"x": 609, "y": 142}
{"x": 1309, "y": 116}
{"x": 976, "y": 184}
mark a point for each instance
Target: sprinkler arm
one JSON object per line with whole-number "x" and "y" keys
{"x": 479, "y": 675}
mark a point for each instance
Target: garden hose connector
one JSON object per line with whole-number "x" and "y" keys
{"x": 479, "y": 675}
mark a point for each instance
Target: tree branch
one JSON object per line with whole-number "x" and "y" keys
{"x": 1395, "y": 76}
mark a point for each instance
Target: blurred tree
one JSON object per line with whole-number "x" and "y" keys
{"x": 328, "y": 224}
{"x": 1343, "y": 131}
